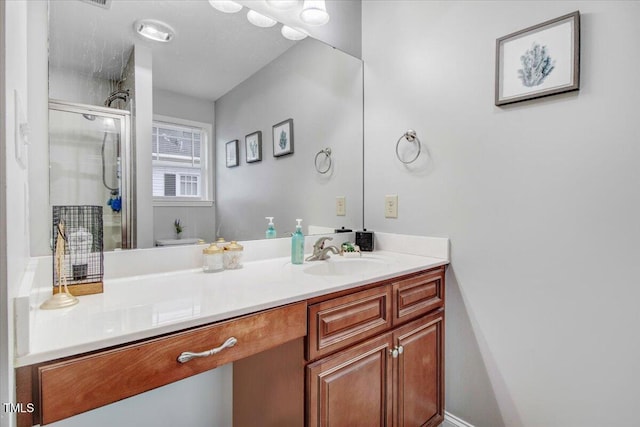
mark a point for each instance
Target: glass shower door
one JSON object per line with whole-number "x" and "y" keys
{"x": 89, "y": 165}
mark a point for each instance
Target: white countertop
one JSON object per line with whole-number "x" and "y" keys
{"x": 139, "y": 307}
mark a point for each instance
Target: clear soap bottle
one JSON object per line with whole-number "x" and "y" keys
{"x": 297, "y": 245}
{"x": 271, "y": 229}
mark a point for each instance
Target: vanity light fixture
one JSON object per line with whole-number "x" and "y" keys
{"x": 292, "y": 33}
{"x": 282, "y": 4}
{"x": 314, "y": 12}
{"x": 259, "y": 20}
{"x": 226, "y": 6}
{"x": 154, "y": 30}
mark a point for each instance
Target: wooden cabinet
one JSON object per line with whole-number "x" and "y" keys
{"x": 419, "y": 372}
{"x": 395, "y": 378}
{"x": 352, "y": 387}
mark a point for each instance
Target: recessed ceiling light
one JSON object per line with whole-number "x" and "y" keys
{"x": 292, "y": 34}
{"x": 282, "y": 4}
{"x": 226, "y": 6}
{"x": 259, "y": 20}
{"x": 314, "y": 12}
{"x": 154, "y": 30}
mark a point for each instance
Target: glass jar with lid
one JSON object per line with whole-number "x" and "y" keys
{"x": 212, "y": 259}
{"x": 221, "y": 243}
{"x": 233, "y": 255}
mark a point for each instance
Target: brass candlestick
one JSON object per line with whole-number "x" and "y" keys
{"x": 63, "y": 298}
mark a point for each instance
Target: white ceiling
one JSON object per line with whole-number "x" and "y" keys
{"x": 211, "y": 53}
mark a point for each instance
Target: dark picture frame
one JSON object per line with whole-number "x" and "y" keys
{"x": 282, "y": 135}
{"x": 538, "y": 61}
{"x": 253, "y": 147}
{"x": 231, "y": 153}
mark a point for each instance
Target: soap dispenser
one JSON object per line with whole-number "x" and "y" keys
{"x": 271, "y": 229}
{"x": 297, "y": 245}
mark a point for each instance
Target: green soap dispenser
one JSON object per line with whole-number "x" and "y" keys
{"x": 271, "y": 230}
{"x": 297, "y": 245}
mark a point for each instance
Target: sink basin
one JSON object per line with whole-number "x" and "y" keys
{"x": 345, "y": 266}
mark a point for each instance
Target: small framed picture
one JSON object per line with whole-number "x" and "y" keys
{"x": 283, "y": 138}
{"x": 231, "y": 151}
{"x": 253, "y": 147}
{"x": 539, "y": 61}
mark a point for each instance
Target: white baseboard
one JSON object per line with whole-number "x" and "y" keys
{"x": 455, "y": 421}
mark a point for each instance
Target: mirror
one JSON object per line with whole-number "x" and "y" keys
{"x": 219, "y": 70}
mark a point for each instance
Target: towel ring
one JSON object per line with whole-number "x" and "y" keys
{"x": 327, "y": 154}
{"x": 410, "y": 136}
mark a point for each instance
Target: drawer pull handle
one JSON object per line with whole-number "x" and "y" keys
{"x": 187, "y": 355}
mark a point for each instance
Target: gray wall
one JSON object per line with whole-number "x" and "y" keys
{"x": 320, "y": 88}
{"x": 200, "y": 221}
{"x": 540, "y": 201}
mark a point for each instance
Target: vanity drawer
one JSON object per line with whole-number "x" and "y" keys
{"x": 76, "y": 385}
{"x": 340, "y": 322}
{"x": 417, "y": 295}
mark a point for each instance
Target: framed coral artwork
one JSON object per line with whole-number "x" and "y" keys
{"x": 539, "y": 61}
{"x": 253, "y": 147}
{"x": 283, "y": 138}
{"x": 231, "y": 153}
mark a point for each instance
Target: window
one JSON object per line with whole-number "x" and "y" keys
{"x": 189, "y": 185}
{"x": 181, "y": 171}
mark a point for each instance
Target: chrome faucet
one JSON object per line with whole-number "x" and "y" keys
{"x": 320, "y": 252}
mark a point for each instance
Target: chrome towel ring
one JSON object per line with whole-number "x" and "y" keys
{"x": 327, "y": 153}
{"x": 409, "y": 135}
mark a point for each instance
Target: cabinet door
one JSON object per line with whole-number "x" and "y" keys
{"x": 352, "y": 388}
{"x": 419, "y": 380}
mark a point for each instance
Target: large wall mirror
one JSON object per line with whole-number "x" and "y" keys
{"x": 223, "y": 125}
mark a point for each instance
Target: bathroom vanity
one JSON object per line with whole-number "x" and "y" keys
{"x": 357, "y": 342}
{"x": 395, "y": 376}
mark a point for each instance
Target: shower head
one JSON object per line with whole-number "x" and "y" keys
{"x": 118, "y": 94}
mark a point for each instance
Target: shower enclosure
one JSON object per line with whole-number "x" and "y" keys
{"x": 90, "y": 163}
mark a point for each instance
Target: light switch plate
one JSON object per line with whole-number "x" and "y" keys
{"x": 391, "y": 206}
{"x": 341, "y": 206}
